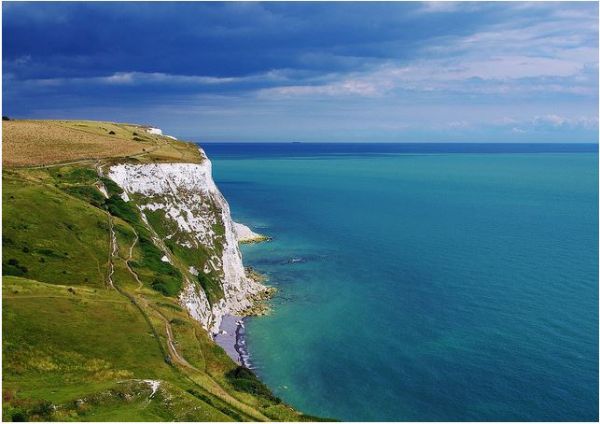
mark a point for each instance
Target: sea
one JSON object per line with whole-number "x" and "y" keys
{"x": 423, "y": 282}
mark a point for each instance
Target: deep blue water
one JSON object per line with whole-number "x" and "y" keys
{"x": 423, "y": 282}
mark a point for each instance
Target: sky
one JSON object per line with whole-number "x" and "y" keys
{"x": 329, "y": 72}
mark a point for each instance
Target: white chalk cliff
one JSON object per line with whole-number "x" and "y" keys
{"x": 198, "y": 217}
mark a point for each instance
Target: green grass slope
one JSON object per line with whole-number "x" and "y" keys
{"x": 92, "y": 330}
{"x": 82, "y": 354}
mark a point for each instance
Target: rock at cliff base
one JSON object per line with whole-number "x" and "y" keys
{"x": 246, "y": 235}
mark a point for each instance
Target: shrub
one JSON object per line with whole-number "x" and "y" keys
{"x": 211, "y": 287}
{"x": 89, "y": 194}
{"x": 178, "y": 321}
{"x": 244, "y": 380}
{"x": 19, "y": 416}
{"x": 13, "y": 267}
{"x": 111, "y": 132}
{"x": 112, "y": 187}
{"x": 168, "y": 287}
{"x": 43, "y": 409}
{"x": 49, "y": 252}
{"x": 118, "y": 207}
{"x": 5, "y": 118}
{"x": 160, "y": 286}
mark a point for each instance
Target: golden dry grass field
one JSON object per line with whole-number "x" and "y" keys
{"x": 37, "y": 143}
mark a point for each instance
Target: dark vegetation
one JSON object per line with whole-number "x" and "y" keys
{"x": 13, "y": 267}
{"x": 211, "y": 286}
{"x": 244, "y": 380}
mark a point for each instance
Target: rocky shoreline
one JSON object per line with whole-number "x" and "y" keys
{"x": 231, "y": 338}
{"x": 232, "y": 331}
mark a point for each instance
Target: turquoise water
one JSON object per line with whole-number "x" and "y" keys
{"x": 452, "y": 286}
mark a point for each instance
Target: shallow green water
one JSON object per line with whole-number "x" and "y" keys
{"x": 424, "y": 286}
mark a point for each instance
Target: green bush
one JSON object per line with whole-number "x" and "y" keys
{"x": 49, "y": 252}
{"x": 111, "y": 187}
{"x": 211, "y": 286}
{"x": 13, "y": 267}
{"x": 244, "y": 380}
{"x": 119, "y": 207}
{"x": 88, "y": 193}
{"x": 168, "y": 287}
{"x": 160, "y": 286}
{"x": 77, "y": 175}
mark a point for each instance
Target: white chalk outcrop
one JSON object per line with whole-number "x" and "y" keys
{"x": 246, "y": 235}
{"x": 191, "y": 202}
{"x": 155, "y": 131}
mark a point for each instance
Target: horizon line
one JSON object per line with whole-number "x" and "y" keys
{"x": 397, "y": 142}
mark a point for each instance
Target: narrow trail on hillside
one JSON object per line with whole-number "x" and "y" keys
{"x": 129, "y": 258}
{"x": 113, "y": 250}
{"x": 175, "y": 355}
{"x": 171, "y": 341}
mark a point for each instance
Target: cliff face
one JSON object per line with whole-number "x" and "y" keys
{"x": 191, "y": 223}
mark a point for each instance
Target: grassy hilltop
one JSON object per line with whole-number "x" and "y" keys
{"x": 38, "y": 143}
{"x": 92, "y": 329}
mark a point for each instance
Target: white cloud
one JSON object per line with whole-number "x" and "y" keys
{"x": 132, "y": 78}
{"x": 357, "y": 86}
{"x": 550, "y": 121}
{"x": 439, "y": 6}
{"x": 586, "y": 122}
{"x": 518, "y": 56}
{"x": 158, "y": 77}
